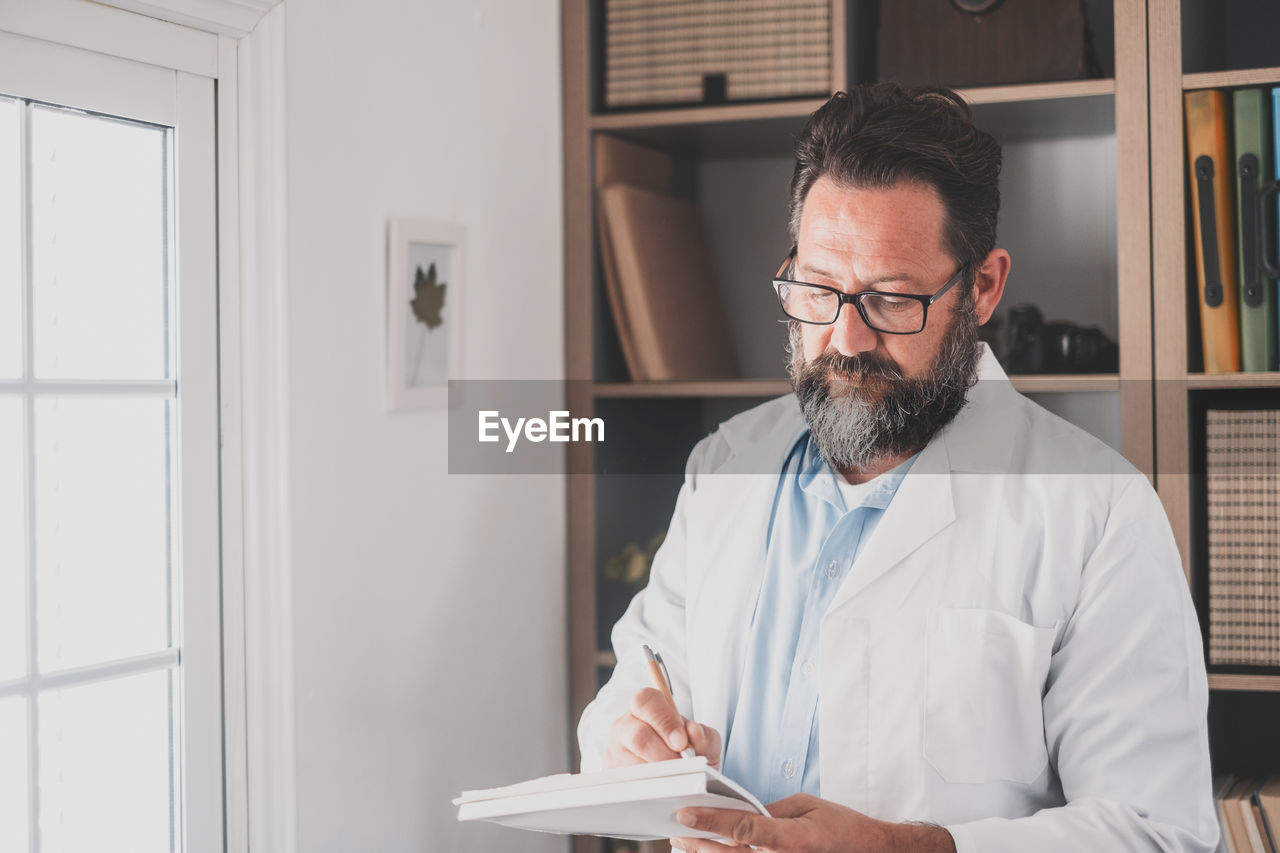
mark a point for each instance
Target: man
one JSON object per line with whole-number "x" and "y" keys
{"x": 907, "y": 607}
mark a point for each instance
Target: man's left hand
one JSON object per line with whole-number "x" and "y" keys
{"x": 807, "y": 824}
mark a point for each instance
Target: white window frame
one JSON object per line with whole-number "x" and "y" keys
{"x": 239, "y": 44}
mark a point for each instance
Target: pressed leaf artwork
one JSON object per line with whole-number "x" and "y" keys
{"x": 428, "y": 297}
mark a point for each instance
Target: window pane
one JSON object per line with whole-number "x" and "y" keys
{"x": 98, "y": 231}
{"x": 101, "y": 529}
{"x": 13, "y": 773}
{"x": 10, "y": 243}
{"x": 104, "y": 766}
{"x": 13, "y": 610}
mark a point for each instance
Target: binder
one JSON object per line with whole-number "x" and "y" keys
{"x": 1272, "y": 207}
{"x": 1213, "y": 213}
{"x": 1254, "y": 170}
{"x": 667, "y": 288}
{"x": 618, "y": 161}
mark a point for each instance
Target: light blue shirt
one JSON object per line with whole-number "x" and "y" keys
{"x": 771, "y": 740}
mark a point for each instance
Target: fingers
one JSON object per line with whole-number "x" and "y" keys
{"x": 705, "y": 741}
{"x": 632, "y": 741}
{"x": 743, "y": 827}
{"x": 650, "y": 731}
{"x": 653, "y": 731}
{"x": 651, "y": 707}
{"x": 702, "y": 845}
{"x": 796, "y": 805}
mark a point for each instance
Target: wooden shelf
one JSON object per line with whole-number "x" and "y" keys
{"x": 686, "y": 116}
{"x": 800, "y": 109}
{"x": 1224, "y": 79}
{"x": 1259, "y": 683}
{"x": 1212, "y": 381}
{"x": 708, "y": 388}
{"x": 1066, "y": 383}
{"x": 1046, "y": 384}
{"x": 605, "y": 657}
{"x": 1023, "y": 92}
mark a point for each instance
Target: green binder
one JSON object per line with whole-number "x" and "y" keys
{"x": 1255, "y": 167}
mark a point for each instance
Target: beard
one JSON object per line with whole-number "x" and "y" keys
{"x": 862, "y": 408}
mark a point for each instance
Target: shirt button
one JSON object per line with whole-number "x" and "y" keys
{"x": 833, "y": 569}
{"x": 788, "y": 769}
{"x": 808, "y": 668}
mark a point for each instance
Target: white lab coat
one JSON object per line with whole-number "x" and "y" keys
{"x": 1014, "y": 654}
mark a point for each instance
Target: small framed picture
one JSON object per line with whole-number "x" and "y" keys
{"x": 425, "y": 291}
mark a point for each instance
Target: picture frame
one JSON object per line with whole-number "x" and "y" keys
{"x": 426, "y": 289}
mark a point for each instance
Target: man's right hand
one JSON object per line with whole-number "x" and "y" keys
{"x": 653, "y": 731}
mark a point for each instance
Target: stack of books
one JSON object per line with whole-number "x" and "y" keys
{"x": 1231, "y": 158}
{"x": 1249, "y": 813}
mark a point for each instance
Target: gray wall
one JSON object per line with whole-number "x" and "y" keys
{"x": 429, "y": 609}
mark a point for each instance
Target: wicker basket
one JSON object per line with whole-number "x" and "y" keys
{"x": 666, "y": 52}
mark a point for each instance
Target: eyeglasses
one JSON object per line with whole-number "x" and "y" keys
{"x": 891, "y": 313}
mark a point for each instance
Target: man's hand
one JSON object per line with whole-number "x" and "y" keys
{"x": 653, "y": 731}
{"x": 806, "y": 824}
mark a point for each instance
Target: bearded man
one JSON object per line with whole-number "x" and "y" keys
{"x": 907, "y": 607}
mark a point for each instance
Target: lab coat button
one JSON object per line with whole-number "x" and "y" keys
{"x": 788, "y": 769}
{"x": 833, "y": 569}
{"x": 808, "y": 668}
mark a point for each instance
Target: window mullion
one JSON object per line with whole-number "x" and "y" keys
{"x": 29, "y": 454}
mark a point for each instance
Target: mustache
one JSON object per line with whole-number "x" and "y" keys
{"x": 859, "y": 367}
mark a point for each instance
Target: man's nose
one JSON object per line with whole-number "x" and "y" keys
{"x": 849, "y": 335}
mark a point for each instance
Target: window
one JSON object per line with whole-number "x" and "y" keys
{"x": 110, "y": 696}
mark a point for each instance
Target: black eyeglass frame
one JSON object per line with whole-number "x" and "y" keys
{"x": 856, "y": 298}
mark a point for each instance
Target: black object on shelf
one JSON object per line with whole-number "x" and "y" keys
{"x": 1034, "y": 346}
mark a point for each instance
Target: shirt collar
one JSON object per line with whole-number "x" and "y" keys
{"x": 819, "y": 479}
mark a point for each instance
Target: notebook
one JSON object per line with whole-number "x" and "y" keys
{"x": 638, "y": 802}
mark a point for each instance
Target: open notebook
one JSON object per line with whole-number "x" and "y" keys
{"x": 637, "y": 802}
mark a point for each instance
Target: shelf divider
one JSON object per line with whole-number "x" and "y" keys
{"x": 1223, "y": 79}
{"x": 1041, "y": 384}
{"x": 1257, "y": 683}
{"x": 800, "y": 109}
{"x": 1210, "y": 381}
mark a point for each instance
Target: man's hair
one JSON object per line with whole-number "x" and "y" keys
{"x": 876, "y": 136}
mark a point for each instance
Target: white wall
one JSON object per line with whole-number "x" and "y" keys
{"x": 429, "y": 609}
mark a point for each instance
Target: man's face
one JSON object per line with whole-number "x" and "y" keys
{"x": 869, "y": 395}
{"x": 875, "y": 239}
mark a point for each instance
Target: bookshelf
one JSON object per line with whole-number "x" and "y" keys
{"x": 1197, "y": 44}
{"x": 1115, "y": 143}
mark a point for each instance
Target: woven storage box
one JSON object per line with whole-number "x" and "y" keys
{"x": 660, "y": 52}
{"x": 1243, "y": 478}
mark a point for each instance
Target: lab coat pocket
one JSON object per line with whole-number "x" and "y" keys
{"x": 983, "y": 719}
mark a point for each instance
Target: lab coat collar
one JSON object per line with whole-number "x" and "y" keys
{"x": 981, "y": 439}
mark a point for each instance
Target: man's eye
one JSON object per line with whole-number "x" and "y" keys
{"x": 888, "y": 302}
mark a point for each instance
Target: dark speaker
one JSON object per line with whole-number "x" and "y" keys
{"x": 983, "y": 42}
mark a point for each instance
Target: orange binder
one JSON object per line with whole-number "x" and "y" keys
{"x": 1213, "y": 213}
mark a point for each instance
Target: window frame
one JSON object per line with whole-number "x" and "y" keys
{"x": 35, "y": 70}
{"x": 238, "y": 45}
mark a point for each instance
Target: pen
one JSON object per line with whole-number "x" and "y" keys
{"x": 661, "y": 678}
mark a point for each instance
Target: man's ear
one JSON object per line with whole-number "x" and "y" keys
{"x": 988, "y": 286}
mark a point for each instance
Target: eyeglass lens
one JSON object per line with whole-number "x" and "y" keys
{"x": 884, "y": 312}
